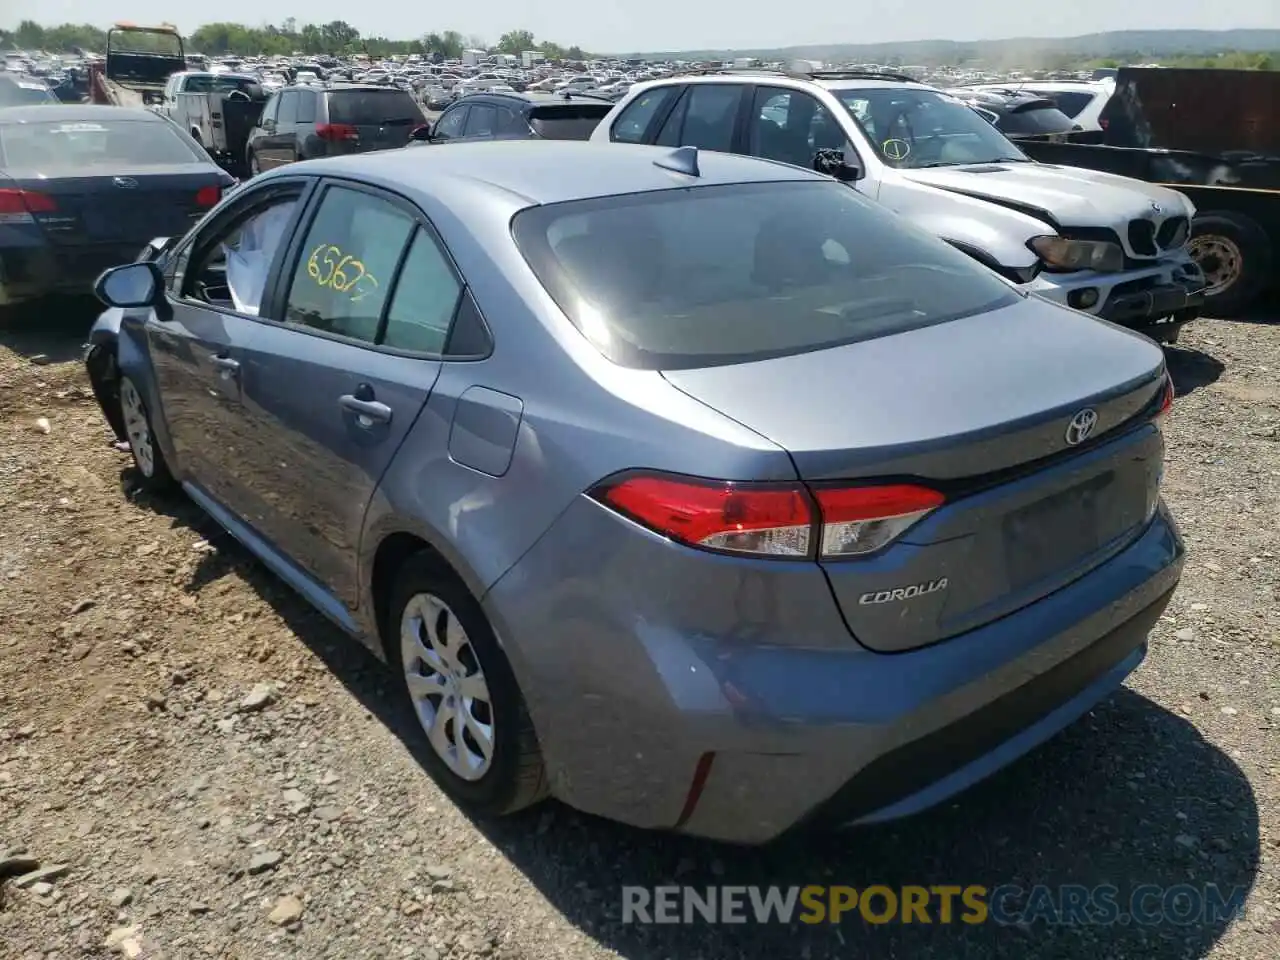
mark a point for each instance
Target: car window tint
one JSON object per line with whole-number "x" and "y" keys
{"x": 710, "y": 116}
{"x": 450, "y": 123}
{"x": 792, "y": 127}
{"x": 671, "y": 279}
{"x": 288, "y": 108}
{"x": 306, "y": 106}
{"x": 425, "y": 299}
{"x": 271, "y": 109}
{"x": 1036, "y": 120}
{"x": 232, "y": 267}
{"x": 346, "y": 263}
{"x": 574, "y": 121}
{"x": 481, "y": 120}
{"x": 633, "y": 123}
{"x": 669, "y": 135}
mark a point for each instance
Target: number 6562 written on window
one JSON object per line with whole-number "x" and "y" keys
{"x": 329, "y": 267}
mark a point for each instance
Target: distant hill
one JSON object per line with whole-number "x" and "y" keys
{"x": 1020, "y": 50}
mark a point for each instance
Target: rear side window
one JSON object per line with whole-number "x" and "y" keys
{"x": 288, "y": 108}
{"x": 571, "y": 122}
{"x": 1036, "y": 119}
{"x": 729, "y": 274}
{"x": 64, "y": 147}
{"x": 347, "y": 264}
{"x": 633, "y": 123}
{"x": 306, "y": 107}
{"x": 425, "y": 299}
{"x": 481, "y": 120}
{"x": 1072, "y": 104}
{"x": 372, "y": 107}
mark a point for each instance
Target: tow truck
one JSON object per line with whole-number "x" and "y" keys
{"x": 137, "y": 66}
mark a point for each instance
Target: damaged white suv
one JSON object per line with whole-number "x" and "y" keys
{"x": 1103, "y": 244}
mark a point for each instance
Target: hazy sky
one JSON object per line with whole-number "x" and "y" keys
{"x": 626, "y": 25}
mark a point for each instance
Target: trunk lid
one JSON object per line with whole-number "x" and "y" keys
{"x": 978, "y": 408}
{"x": 121, "y": 206}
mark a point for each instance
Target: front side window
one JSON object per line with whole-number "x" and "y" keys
{"x": 347, "y": 262}
{"x": 231, "y": 264}
{"x": 704, "y": 276}
{"x": 914, "y": 128}
{"x": 792, "y": 127}
{"x": 449, "y": 125}
{"x": 633, "y": 123}
{"x": 88, "y": 146}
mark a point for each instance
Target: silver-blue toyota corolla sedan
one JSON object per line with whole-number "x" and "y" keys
{"x": 692, "y": 489}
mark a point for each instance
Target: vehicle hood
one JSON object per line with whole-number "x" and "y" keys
{"x": 1068, "y": 196}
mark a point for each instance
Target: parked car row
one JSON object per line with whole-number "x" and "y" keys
{"x": 564, "y": 411}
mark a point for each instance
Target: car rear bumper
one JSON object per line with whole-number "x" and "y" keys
{"x": 709, "y": 698}
{"x": 28, "y": 273}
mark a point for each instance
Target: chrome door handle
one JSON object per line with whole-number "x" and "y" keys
{"x": 370, "y": 409}
{"x": 226, "y": 363}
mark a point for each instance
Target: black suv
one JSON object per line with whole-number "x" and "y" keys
{"x": 1020, "y": 115}
{"x": 312, "y": 120}
{"x": 518, "y": 116}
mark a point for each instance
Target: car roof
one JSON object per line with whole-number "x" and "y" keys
{"x": 75, "y": 112}
{"x": 799, "y": 82}
{"x": 542, "y": 171}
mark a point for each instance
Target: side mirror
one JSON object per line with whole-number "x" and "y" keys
{"x": 132, "y": 285}
{"x": 421, "y": 133}
{"x": 835, "y": 163}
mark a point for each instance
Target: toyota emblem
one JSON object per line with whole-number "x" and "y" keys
{"x": 124, "y": 183}
{"x": 1081, "y": 426}
{"x": 1155, "y": 207}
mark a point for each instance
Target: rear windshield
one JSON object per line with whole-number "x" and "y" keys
{"x": 161, "y": 43}
{"x": 1036, "y": 119}
{"x": 569, "y": 122}
{"x": 372, "y": 106}
{"x": 18, "y": 93}
{"x": 703, "y": 276}
{"x": 72, "y": 146}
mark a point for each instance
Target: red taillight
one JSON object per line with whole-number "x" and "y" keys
{"x": 862, "y": 519}
{"x": 208, "y": 196}
{"x": 1166, "y": 400}
{"x": 25, "y": 202}
{"x": 336, "y": 131}
{"x": 775, "y": 520}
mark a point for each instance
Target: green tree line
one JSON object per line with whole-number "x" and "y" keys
{"x": 289, "y": 37}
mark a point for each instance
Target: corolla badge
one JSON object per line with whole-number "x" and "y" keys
{"x": 1081, "y": 426}
{"x": 903, "y": 593}
{"x": 124, "y": 183}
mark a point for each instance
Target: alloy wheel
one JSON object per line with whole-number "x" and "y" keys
{"x": 137, "y": 428}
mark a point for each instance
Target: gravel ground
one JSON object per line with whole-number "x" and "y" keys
{"x": 211, "y": 770}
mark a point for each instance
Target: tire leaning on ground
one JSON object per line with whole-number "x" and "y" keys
{"x": 482, "y": 749}
{"x": 147, "y": 455}
{"x": 1235, "y": 255}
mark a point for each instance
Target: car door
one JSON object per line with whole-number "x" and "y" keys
{"x": 334, "y": 388}
{"x": 284, "y": 142}
{"x": 197, "y": 339}
{"x": 260, "y": 136}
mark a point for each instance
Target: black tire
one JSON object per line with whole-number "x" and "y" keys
{"x": 1213, "y": 234}
{"x": 516, "y": 777}
{"x": 148, "y": 458}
